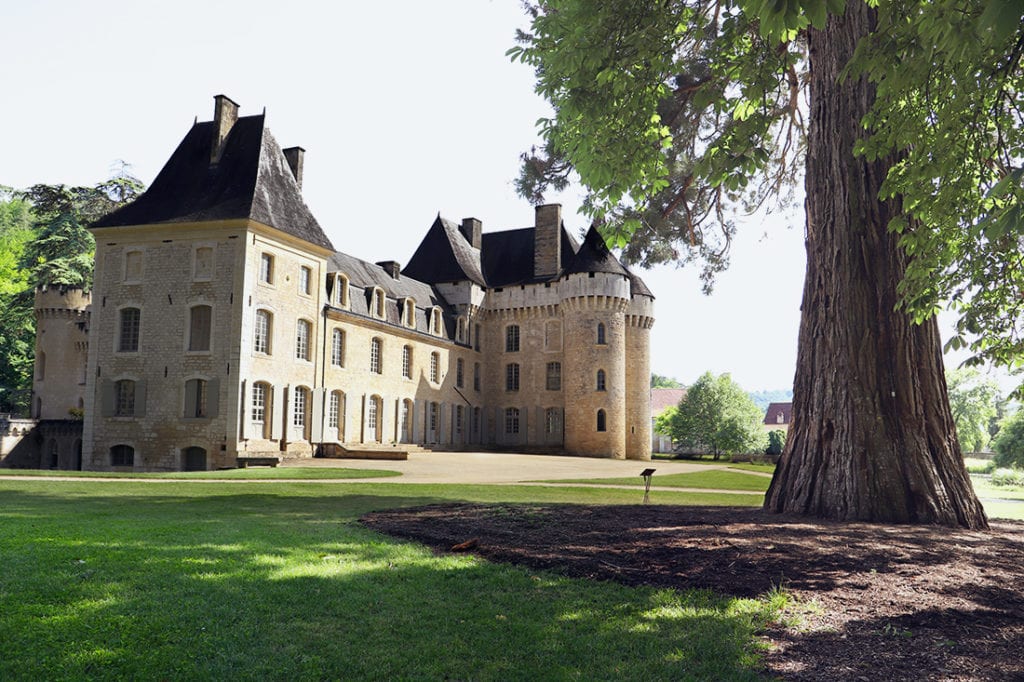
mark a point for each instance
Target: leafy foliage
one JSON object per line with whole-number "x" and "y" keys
{"x": 658, "y": 381}
{"x": 718, "y": 415}
{"x": 663, "y": 421}
{"x": 1009, "y": 443}
{"x": 974, "y": 402}
{"x": 17, "y": 324}
{"x": 776, "y": 442}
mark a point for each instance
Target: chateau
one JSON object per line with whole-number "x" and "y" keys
{"x": 224, "y": 325}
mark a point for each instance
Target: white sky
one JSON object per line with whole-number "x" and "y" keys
{"x": 405, "y": 108}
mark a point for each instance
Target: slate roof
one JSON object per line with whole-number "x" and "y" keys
{"x": 252, "y": 180}
{"x": 771, "y": 417}
{"x": 594, "y": 256}
{"x": 445, "y": 255}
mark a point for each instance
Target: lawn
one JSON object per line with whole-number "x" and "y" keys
{"x": 719, "y": 479}
{"x": 275, "y": 473}
{"x": 116, "y": 580}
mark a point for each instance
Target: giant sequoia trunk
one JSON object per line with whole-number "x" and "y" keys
{"x": 872, "y": 437}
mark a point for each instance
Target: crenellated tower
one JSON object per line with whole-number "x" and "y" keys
{"x": 62, "y": 343}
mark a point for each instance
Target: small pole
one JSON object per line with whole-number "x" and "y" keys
{"x": 647, "y": 475}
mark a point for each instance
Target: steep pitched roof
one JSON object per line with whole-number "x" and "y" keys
{"x": 594, "y": 256}
{"x": 363, "y": 274}
{"x": 775, "y": 410}
{"x": 507, "y": 256}
{"x": 445, "y": 255}
{"x": 252, "y": 180}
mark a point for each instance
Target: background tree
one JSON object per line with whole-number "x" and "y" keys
{"x": 1009, "y": 443}
{"x": 658, "y": 381}
{"x": 687, "y": 109}
{"x": 17, "y": 324}
{"x": 776, "y": 442}
{"x": 974, "y": 402}
{"x": 663, "y": 421}
{"x": 717, "y": 415}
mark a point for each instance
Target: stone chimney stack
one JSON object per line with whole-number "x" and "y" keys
{"x": 225, "y": 113}
{"x": 392, "y": 268}
{"x": 294, "y": 156}
{"x": 472, "y": 230}
{"x": 547, "y": 241}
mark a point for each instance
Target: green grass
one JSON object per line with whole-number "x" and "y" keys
{"x": 274, "y": 473}
{"x": 993, "y": 496}
{"x": 976, "y": 465}
{"x": 133, "y": 580}
{"x": 713, "y": 479}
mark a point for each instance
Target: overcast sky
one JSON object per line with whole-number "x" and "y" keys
{"x": 405, "y": 109}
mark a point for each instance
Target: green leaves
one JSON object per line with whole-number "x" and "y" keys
{"x": 718, "y": 415}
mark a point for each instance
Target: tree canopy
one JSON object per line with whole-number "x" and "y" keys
{"x": 1009, "y": 443}
{"x": 718, "y": 416}
{"x": 658, "y": 381}
{"x": 974, "y": 402}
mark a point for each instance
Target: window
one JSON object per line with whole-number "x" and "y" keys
{"x": 301, "y": 405}
{"x": 406, "y": 427}
{"x": 552, "y": 421}
{"x": 433, "y": 413}
{"x": 202, "y": 264}
{"x": 407, "y": 362}
{"x": 341, "y": 291}
{"x": 512, "y": 376}
{"x": 435, "y": 367}
{"x": 476, "y": 376}
{"x": 132, "y": 266}
{"x": 333, "y": 410}
{"x": 554, "y": 376}
{"x": 601, "y": 421}
{"x": 409, "y": 313}
{"x": 375, "y": 352}
{"x": 372, "y": 414}
{"x": 195, "y": 399}
{"x": 128, "y": 337}
{"x": 199, "y": 321}
{"x": 338, "y": 348}
{"x": 476, "y": 338}
{"x": 458, "y": 419}
{"x": 124, "y": 398}
{"x": 600, "y": 380}
{"x": 377, "y": 305}
{"x": 552, "y": 335}
{"x": 511, "y": 420}
{"x": 780, "y": 418}
{"x": 458, "y": 372}
{"x": 302, "y": 334}
{"x": 512, "y": 338}
{"x": 259, "y": 403}
{"x": 435, "y": 321}
{"x": 476, "y": 420}
{"x": 460, "y": 331}
{"x": 122, "y": 456}
{"x": 267, "y": 268}
{"x": 305, "y": 278}
{"x": 600, "y": 333}
{"x": 261, "y": 333}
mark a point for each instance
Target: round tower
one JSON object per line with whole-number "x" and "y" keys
{"x": 595, "y": 385}
{"x": 639, "y": 320}
{"x": 62, "y": 321}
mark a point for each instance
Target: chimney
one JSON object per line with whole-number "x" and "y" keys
{"x": 471, "y": 229}
{"x": 225, "y": 113}
{"x": 294, "y": 156}
{"x": 392, "y": 268}
{"x": 547, "y": 241}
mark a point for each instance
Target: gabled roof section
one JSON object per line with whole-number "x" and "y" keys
{"x": 507, "y": 257}
{"x": 252, "y": 180}
{"x": 594, "y": 256}
{"x": 367, "y": 275}
{"x": 771, "y": 416}
{"x": 445, "y": 255}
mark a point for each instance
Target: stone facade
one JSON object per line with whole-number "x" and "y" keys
{"x": 217, "y": 335}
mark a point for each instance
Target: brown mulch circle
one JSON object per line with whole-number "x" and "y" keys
{"x": 888, "y": 602}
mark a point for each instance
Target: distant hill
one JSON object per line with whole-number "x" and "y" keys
{"x": 762, "y": 398}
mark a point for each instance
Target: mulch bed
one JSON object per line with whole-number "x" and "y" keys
{"x": 896, "y": 602}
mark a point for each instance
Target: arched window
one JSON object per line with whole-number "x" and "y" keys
{"x": 459, "y": 371}
{"x": 512, "y": 376}
{"x": 303, "y": 332}
{"x": 409, "y": 313}
{"x": 435, "y": 321}
{"x": 128, "y": 332}
{"x": 199, "y": 320}
{"x": 338, "y": 348}
{"x": 600, "y": 333}
{"x": 377, "y": 303}
{"x": 435, "y": 367}
{"x": 124, "y": 398}
{"x": 341, "y": 291}
{"x": 407, "y": 362}
{"x": 511, "y": 420}
{"x": 122, "y": 456}
{"x": 601, "y": 385}
{"x": 512, "y": 338}
{"x": 601, "y": 421}
{"x": 432, "y": 419}
{"x": 262, "y": 331}
{"x": 375, "y": 355}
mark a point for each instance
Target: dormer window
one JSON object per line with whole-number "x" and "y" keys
{"x": 409, "y": 313}
{"x": 341, "y": 291}
{"x": 377, "y": 303}
{"x": 435, "y": 321}
{"x": 460, "y": 330}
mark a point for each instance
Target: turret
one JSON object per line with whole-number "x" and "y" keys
{"x": 62, "y": 321}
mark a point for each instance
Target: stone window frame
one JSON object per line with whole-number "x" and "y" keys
{"x": 409, "y": 312}
{"x": 458, "y": 419}
{"x": 512, "y": 375}
{"x": 124, "y": 397}
{"x": 460, "y": 370}
{"x": 378, "y": 303}
{"x": 406, "y": 418}
{"x": 602, "y": 381}
{"x": 305, "y": 280}
{"x": 436, "y": 328}
{"x": 334, "y": 409}
{"x": 435, "y": 367}
{"x": 120, "y": 338}
{"x": 461, "y": 329}
{"x": 553, "y": 376}
{"x": 205, "y": 403}
{"x": 552, "y": 421}
{"x": 476, "y": 337}
{"x": 511, "y": 420}
{"x": 341, "y": 291}
{"x": 196, "y": 275}
{"x": 602, "y": 421}
{"x": 407, "y": 355}
{"x": 303, "y": 346}
{"x": 512, "y": 338}
{"x": 375, "y": 417}
{"x": 338, "y": 347}
{"x": 126, "y": 278}
{"x": 376, "y": 355}
{"x": 267, "y": 347}
{"x": 190, "y": 328}
{"x": 267, "y": 268}
{"x": 601, "y": 335}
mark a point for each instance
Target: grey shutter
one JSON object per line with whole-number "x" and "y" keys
{"x": 140, "y": 398}
{"x": 107, "y": 398}
{"x": 246, "y": 403}
{"x": 190, "y": 398}
{"x": 212, "y": 397}
{"x": 277, "y": 419}
{"x": 317, "y": 427}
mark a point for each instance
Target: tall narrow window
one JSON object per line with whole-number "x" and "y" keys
{"x": 435, "y": 367}
{"x": 433, "y": 418}
{"x": 458, "y": 372}
{"x": 301, "y": 404}
{"x": 458, "y": 419}
{"x": 554, "y": 376}
{"x": 601, "y": 421}
{"x": 195, "y": 399}
{"x": 512, "y": 376}
{"x": 377, "y": 303}
{"x": 435, "y": 321}
{"x": 600, "y": 380}
{"x": 372, "y": 415}
{"x": 460, "y": 331}
{"x": 200, "y": 317}
{"x": 407, "y": 362}
{"x": 476, "y": 376}
{"x": 511, "y": 420}
{"x": 476, "y": 338}
{"x": 259, "y": 404}
{"x": 409, "y": 313}
{"x": 600, "y": 333}
{"x": 261, "y": 331}
{"x": 512, "y": 338}
{"x": 124, "y": 398}
{"x": 375, "y": 359}
{"x": 302, "y": 334}
{"x": 128, "y": 337}
{"x": 552, "y": 421}
{"x": 267, "y": 268}
{"x": 333, "y": 409}
{"x": 341, "y": 291}
{"x": 305, "y": 280}
{"x": 406, "y": 428}
{"x": 338, "y": 348}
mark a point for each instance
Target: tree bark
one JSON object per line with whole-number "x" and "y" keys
{"x": 872, "y": 437}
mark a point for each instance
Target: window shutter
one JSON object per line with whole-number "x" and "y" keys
{"x": 246, "y": 404}
{"x": 140, "y": 398}
{"x": 107, "y": 398}
{"x": 280, "y": 398}
{"x": 317, "y": 427}
{"x": 212, "y": 397}
{"x": 190, "y": 398}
